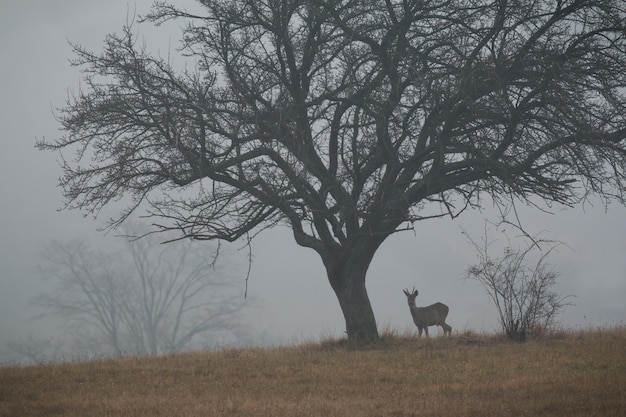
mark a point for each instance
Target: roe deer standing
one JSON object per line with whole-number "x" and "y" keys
{"x": 433, "y": 315}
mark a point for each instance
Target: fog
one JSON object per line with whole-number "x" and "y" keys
{"x": 296, "y": 303}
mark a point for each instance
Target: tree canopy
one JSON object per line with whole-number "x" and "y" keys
{"x": 345, "y": 119}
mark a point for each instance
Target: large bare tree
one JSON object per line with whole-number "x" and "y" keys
{"x": 349, "y": 120}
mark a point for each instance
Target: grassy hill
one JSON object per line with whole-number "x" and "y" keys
{"x": 568, "y": 374}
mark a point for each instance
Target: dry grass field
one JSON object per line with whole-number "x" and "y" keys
{"x": 567, "y": 374}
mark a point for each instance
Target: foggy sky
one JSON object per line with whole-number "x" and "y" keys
{"x": 297, "y": 301}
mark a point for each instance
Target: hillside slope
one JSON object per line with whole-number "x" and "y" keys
{"x": 572, "y": 374}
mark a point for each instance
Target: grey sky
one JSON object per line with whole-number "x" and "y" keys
{"x": 298, "y": 301}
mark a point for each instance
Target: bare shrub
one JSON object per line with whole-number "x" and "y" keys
{"x": 521, "y": 290}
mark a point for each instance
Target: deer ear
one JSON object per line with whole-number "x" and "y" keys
{"x": 405, "y": 292}
{"x": 415, "y": 293}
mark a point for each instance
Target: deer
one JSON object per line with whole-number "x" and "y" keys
{"x": 433, "y": 315}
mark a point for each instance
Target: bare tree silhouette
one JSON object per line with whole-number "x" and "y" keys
{"x": 350, "y": 120}
{"x": 149, "y": 299}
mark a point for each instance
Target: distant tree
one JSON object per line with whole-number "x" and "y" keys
{"x": 148, "y": 299}
{"x": 350, "y": 120}
{"x": 523, "y": 293}
{"x": 34, "y": 349}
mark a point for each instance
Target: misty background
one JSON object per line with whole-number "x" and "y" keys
{"x": 294, "y": 301}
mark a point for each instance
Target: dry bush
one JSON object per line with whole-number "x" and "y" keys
{"x": 520, "y": 287}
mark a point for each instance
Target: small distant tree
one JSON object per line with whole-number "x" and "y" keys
{"x": 148, "y": 299}
{"x": 33, "y": 349}
{"x": 521, "y": 291}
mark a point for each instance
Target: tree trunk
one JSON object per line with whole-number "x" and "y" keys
{"x": 346, "y": 273}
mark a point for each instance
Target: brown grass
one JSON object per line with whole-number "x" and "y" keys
{"x": 569, "y": 374}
